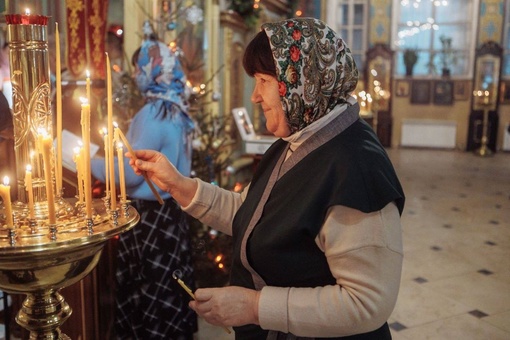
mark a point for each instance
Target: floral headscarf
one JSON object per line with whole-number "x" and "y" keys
{"x": 314, "y": 67}
{"x": 160, "y": 74}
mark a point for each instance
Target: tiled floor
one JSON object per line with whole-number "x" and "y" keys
{"x": 456, "y": 227}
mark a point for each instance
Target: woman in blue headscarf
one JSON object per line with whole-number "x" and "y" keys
{"x": 150, "y": 303}
{"x": 317, "y": 248}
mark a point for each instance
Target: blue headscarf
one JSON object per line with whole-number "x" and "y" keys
{"x": 160, "y": 74}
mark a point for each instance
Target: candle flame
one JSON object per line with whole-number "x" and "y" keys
{"x": 115, "y": 125}
{"x": 29, "y": 168}
{"x": 76, "y": 149}
{"x": 42, "y": 131}
{"x": 84, "y": 100}
{"x": 120, "y": 145}
{"x": 87, "y": 72}
{"x": 27, "y": 11}
{"x": 6, "y": 180}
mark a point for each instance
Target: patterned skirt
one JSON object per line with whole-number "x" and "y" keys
{"x": 150, "y": 304}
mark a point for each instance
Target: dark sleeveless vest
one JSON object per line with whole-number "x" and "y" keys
{"x": 351, "y": 169}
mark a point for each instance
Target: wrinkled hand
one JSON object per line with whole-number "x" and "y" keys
{"x": 227, "y": 306}
{"x": 162, "y": 172}
{"x": 156, "y": 165}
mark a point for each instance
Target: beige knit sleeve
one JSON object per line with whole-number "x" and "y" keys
{"x": 364, "y": 252}
{"x": 214, "y": 206}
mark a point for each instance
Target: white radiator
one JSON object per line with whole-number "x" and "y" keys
{"x": 506, "y": 138}
{"x": 428, "y": 133}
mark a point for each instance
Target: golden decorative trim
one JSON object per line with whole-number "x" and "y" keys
{"x": 97, "y": 22}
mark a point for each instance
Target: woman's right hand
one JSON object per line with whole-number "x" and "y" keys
{"x": 164, "y": 174}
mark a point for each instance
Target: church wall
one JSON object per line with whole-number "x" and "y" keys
{"x": 490, "y": 17}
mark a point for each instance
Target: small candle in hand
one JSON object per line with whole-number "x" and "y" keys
{"x": 5, "y": 193}
{"x": 30, "y": 191}
{"x": 188, "y": 290}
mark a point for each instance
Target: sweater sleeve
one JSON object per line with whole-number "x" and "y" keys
{"x": 364, "y": 253}
{"x": 214, "y": 206}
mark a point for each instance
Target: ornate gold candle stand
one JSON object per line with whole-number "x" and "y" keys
{"x": 39, "y": 257}
{"x": 481, "y": 99}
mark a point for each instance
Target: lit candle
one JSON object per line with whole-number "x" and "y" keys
{"x": 30, "y": 190}
{"x": 122, "y": 177}
{"x": 88, "y": 85}
{"x": 45, "y": 143}
{"x": 118, "y": 133}
{"x": 110, "y": 133}
{"x": 58, "y": 85}
{"x": 5, "y": 192}
{"x": 106, "y": 163}
{"x": 25, "y": 19}
{"x": 87, "y": 187}
{"x": 77, "y": 161}
{"x": 486, "y": 97}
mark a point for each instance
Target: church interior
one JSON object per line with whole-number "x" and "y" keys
{"x": 434, "y": 84}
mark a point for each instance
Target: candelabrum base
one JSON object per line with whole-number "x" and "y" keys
{"x": 483, "y": 151}
{"x": 48, "y": 257}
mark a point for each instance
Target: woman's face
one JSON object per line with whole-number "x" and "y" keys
{"x": 266, "y": 94}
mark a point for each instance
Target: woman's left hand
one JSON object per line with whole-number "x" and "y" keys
{"x": 227, "y": 306}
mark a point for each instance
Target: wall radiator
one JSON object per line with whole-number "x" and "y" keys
{"x": 506, "y": 138}
{"x": 428, "y": 133}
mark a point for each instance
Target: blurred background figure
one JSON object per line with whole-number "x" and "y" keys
{"x": 5, "y": 72}
{"x": 150, "y": 303}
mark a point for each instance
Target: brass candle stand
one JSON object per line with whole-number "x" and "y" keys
{"x": 484, "y": 150}
{"x": 481, "y": 99}
{"x": 39, "y": 257}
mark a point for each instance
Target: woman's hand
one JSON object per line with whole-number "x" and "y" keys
{"x": 163, "y": 174}
{"x": 227, "y": 306}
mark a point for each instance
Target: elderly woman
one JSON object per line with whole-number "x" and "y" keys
{"x": 317, "y": 250}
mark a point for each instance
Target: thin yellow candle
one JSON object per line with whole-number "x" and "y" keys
{"x": 77, "y": 160}
{"x": 118, "y": 132}
{"x": 46, "y": 144}
{"x": 106, "y": 163}
{"x": 88, "y": 85}
{"x": 190, "y": 293}
{"x": 5, "y": 193}
{"x": 30, "y": 191}
{"x": 87, "y": 187}
{"x": 58, "y": 85}
{"x": 109, "y": 96}
{"x": 122, "y": 176}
